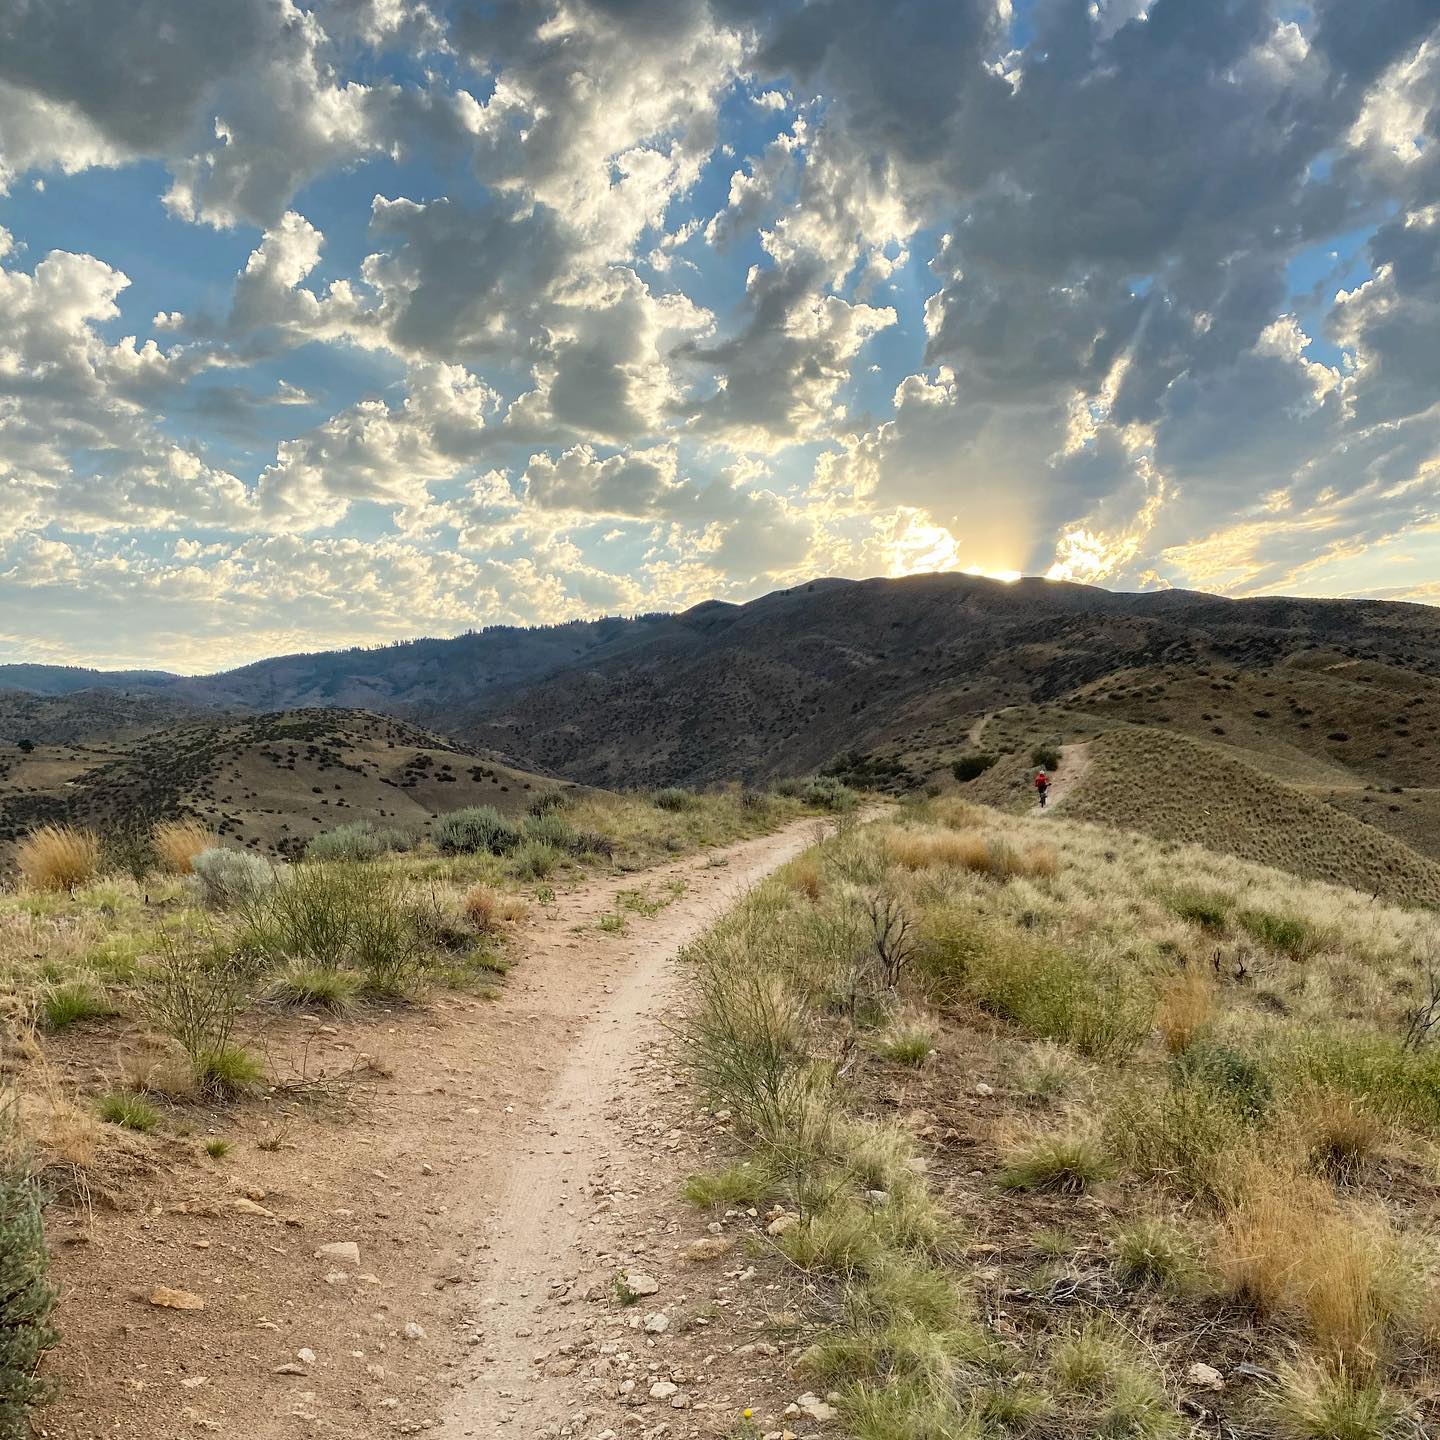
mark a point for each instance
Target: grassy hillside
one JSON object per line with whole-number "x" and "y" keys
{"x": 266, "y": 782}
{"x": 1070, "y": 1133}
{"x": 1180, "y": 790}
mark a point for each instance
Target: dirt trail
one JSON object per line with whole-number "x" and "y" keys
{"x": 1074, "y": 762}
{"x": 537, "y": 1241}
{"x": 452, "y": 1143}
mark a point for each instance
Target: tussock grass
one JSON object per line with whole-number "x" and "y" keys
{"x": 58, "y": 857}
{"x": 72, "y": 1001}
{"x": 1150, "y": 1251}
{"x": 1187, "y": 1008}
{"x": 737, "y": 1186}
{"x": 176, "y": 843}
{"x": 132, "y": 1112}
{"x": 907, "y": 1043}
{"x": 1314, "y": 1403}
{"x": 1069, "y": 1163}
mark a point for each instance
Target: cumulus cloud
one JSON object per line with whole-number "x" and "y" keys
{"x": 651, "y": 299}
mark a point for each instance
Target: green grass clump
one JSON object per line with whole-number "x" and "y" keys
{"x": 227, "y": 1071}
{"x": 1100, "y": 1364}
{"x": 1198, "y": 907}
{"x": 1153, "y": 1252}
{"x": 673, "y": 798}
{"x": 1287, "y": 935}
{"x": 315, "y": 986}
{"x": 1315, "y": 1403}
{"x": 1397, "y": 1083}
{"x": 131, "y": 1111}
{"x": 907, "y": 1044}
{"x": 736, "y": 1187}
{"x": 536, "y": 860}
{"x": 72, "y": 1001}
{"x": 1067, "y": 1162}
{"x": 1056, "y": 993}
{"x": 908, "y": 1410}
{"x": 217, "y": 1148}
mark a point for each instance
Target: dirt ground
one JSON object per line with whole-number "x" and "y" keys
{"x": 491, "y": 1161}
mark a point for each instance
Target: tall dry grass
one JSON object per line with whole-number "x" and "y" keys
{"x": 1187, "y": 1008}
{"x": 178, "y": 842}
{"x": 58, "y": 857}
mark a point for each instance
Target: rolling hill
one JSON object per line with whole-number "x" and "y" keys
{"x": 1331, "y": 704}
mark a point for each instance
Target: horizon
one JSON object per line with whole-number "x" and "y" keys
{"x": 417, "y": 639}
{"x": 331, "y": 323}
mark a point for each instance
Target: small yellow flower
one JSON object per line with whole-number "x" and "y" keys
{"x": 748, "y": 1412}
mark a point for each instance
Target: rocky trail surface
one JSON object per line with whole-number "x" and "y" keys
{"x": 421, "y": 1232}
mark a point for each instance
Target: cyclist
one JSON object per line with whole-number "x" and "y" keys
{"x": 1042, "y": 786}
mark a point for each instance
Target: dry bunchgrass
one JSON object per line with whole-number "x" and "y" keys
{"x": 178, "y": 842}
{"x": 1341, "y": 1135}
{"x": 970, "y": 850}
{"x": 488, "y": 910}
{"x": 58, "y": 857}
{"x": 804, "y": 876}
{"x": 1187, "y": 1008}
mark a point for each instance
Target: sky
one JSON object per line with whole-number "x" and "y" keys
{"x": 334, "y": 322}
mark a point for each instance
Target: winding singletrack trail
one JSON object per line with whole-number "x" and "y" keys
{"x": 538, "y": 1249}
{"x": 1074, "y": 762}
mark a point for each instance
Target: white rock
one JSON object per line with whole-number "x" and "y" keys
{"x": 815, "y": 1407}
{"x": 664, "y": 1390}
{"x": 983, "y": 1089}
{"x": 782, "y": 1224}
{"x": 639, "y": 1283}
{"x": 414, "y": 1330}
{"x": 657, "y": 1324}
{"x": 306, "y": 1356}
{"x": 1204, "y": 1377}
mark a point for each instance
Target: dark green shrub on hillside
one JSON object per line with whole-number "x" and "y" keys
{"x": 26, "y": 1294}
{"x": 1236, "y": 1079}
{"x": 967, "y": 767}
{"x": 473, "y": 830}
{"x": 1047, "y": 756}
{"x": 673, "y": 798}
{"x": 548, "y": 800}
{"x": 827, "y": 793}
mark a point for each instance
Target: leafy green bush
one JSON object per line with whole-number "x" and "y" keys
{"x": 967, "y": 767}
{"x": 536, "y": 860}
{"x": 550, "y": 800}
{"x": 27, "y": 1297}
{"x": 473, "y": 831}
{"x": 550, "y": 829}
{"x": 232, "y": 878}
{"x": 1046, "y": 756}
{"x": 827, "y": 793}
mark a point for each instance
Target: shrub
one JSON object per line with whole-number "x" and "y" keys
{"x": 1069, "y": 1162}
{"x": 828, "y": 793}
{"x": 58, "y": 857}
{"x": 967, "y": 767}
{"x": 195, "y": 996}
{"x": 178, "y": 842}
{"x": 357, "y": 841}
{"x": 232, "y": 878}
{"x": 551, "y": 829}
{"x": 549, "y": 800}
{"x": 133, "y": 1112}
{"x": 1047, "y": 757}
{"x": 1234, "y": 1079}
{"x": 27, "y": 1297}
{"x": 131, "y": 851}
{"x": 475, "y": 830}
{"x": 672, "y": 797}
{"x": 536, "y": 860}
{"x": 1209, "y": 912}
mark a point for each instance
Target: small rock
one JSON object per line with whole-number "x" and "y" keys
{"x": 983, "y": 1089}
{"x": 289, "y": 1368}
{"x": 698, "y": 1251}
{"x": 242, "y": 1206}
{"x": 638, "y": 1283}
{"x": 782, "y": 1224}
{"x": 165, "y": 1298}
{"x": 657, "y": 1324}
{"x": 345, "y": 1251}
{"x": 815, "y": 1408}
{"x": 664, "y": 1390}
{"x": 414, "y": 1330}
{"x": 1204, "y": 1377}
{"x": 305, "y": 1356}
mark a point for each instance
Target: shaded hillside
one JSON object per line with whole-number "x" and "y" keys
{"x": 1181, "y": 790}
{"x": 267, "y": 782}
